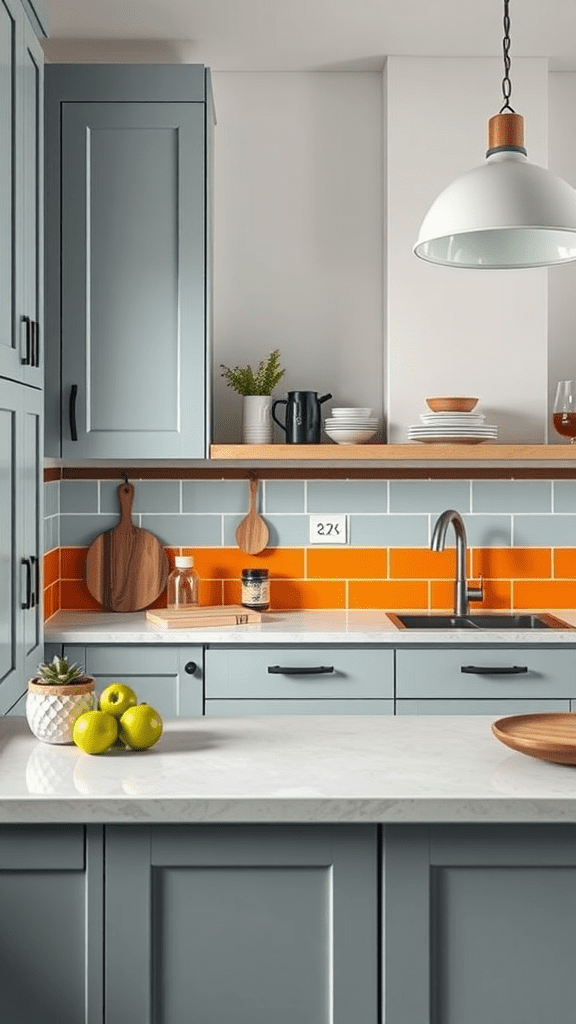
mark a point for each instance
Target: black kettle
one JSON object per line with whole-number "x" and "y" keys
{"x": 303, "y": 419}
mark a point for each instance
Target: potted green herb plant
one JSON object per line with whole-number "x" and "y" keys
{"x": 56, "y": 697}
{"x": 256, "y": 388}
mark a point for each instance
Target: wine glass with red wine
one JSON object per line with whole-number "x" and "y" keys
{"x": 564, "y": 412}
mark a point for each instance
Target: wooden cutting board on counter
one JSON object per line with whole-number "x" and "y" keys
{"x": 126, "y": 567}
{"x": 210, "y": 615}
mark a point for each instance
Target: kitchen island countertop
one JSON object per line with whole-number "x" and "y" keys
{"x": 286, "y": 627}
{"x": 358, "y": 769}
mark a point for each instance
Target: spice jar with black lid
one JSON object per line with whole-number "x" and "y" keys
{"x": 256, "y": 589}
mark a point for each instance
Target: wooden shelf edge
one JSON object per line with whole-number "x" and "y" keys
{"x": 394, "y": 453}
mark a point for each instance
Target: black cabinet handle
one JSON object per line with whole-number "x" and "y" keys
{"x": 72, "y": 412}
{"x": 35, "y": 347}
{"x": 190, "y": 667}
{"x": 28, "y": 602}
{"x": 35, "y": 568}
{"x": 27, "y": 358}
{"x": 496, "y": 670}
{"x": 290, "y": 670}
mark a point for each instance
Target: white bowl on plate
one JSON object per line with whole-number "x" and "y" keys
{"x": 350, "y": 435}
{"x": 351, "y": 413}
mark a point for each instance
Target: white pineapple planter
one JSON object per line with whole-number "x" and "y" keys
{"x": 52, "y": 710}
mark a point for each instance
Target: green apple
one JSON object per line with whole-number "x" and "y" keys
{"x": 95, "y": 731}
{"x": 116, "y": 699}
{"x": 141, "y": 727}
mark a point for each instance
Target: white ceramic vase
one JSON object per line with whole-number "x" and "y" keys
{"x": 256, "y": 419}
{"x": 52, "y": 710}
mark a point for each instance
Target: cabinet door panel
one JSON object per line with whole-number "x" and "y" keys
{"x": 32, "y": 517}
{"x": 479, "y": 707}
{"x": 31, "y": 289}
{"x": 549, "y": 673}
{"x": 243, "y": 924}
{"x": 10, "y": 24}
{"x": 133, "y": 324}
{"x": 160, "y": 675}
{"x": 481, "y": 924}
{"x": 222, "y": 708}
{"x": 10, "y": 614}
{"x": 51, "y": 925}
{"x": 357, "y": 673}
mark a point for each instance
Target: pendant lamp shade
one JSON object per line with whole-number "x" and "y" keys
{"x": 507, "y": 213}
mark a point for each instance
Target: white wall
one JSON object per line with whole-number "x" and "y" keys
{"x": 562, "y": 280}
{"x": 298, "y": 233}
{"x": 453, "y": 331}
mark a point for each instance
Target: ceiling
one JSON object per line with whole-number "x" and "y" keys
{"x": 298, "y": 35}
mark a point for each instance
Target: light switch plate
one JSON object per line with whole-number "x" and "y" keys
{"x": 330, "y": 528}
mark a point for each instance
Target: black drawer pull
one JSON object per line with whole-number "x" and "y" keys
{"x": 290, "y": 670}
{"x": 190, "y": 667}
{"x": 496, "y": 670}
{"x": 72, "y": 412}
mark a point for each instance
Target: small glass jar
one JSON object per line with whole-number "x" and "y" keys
{"x": 182, "y": 584}
{"x": 256, "y": 589}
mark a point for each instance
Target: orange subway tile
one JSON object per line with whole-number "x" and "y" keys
{"x": 350, "y": 563}
{"x": 497, "y": 594}
{"x": 389, "y": 594}
{"x": 72, "y": 563}
{"x": 48, "y": 603}
{"x": 423, "y": 564}
{"x": 544, "y": 594}
{"x": 564, "y": 561}
{"x": 227, "y": 563}
{"x": 512, "y": 563}
{"x": 307, "y": 594}
{"x": 231, "y": 592}
{"x": 211, "y": 592}
{"x": 75, "y": 594}
{"x": 51, "y": 566}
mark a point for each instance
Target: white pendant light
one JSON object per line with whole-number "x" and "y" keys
{"x": 507, "y": 213}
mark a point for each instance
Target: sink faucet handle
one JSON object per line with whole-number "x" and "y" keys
{"x": 476, "y": 593}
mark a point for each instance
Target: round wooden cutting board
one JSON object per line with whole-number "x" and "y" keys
{"x": 126, "y": 567}
{"x": 550, "y": 736}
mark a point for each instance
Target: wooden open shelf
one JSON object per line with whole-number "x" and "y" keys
{"x": 385, "y": 453}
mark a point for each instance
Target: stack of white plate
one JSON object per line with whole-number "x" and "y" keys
{"x": 349, "y": 425}
{"x": 452, "y": 428}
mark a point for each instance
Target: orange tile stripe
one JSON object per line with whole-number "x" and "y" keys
{"x": 388, "y": 578}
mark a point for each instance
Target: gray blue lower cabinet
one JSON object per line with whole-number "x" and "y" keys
{"x": 242, "y": 924}
{"x": 171, "y": 679}
{"x": 51, "y": 900}
{"x": 481, "y": 924}
{"x": 300, "y": 679}
{"x": 460, "y": 676}
{"x": 479, "y": 707}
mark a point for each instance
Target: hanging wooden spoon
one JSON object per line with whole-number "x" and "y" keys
{"x": 252, "y": 533}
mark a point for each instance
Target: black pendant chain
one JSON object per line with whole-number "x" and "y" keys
{"x": 506, "y": 83}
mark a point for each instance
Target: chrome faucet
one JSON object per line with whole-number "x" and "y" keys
{"x": 462, "y": 592}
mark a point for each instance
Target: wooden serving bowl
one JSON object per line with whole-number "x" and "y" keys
{"x": 451, "y": 404}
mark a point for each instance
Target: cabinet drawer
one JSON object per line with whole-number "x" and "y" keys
{"x": 486, "y": 672}
{"x": 294, "y": 672}
{"x": 221, "y": 708}
{"x": 497, "y": 708}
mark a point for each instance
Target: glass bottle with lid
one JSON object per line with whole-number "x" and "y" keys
{"x": 182, "y": 584}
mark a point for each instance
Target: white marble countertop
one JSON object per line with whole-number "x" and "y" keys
{"x": 287, "y": 769}
{"x": 312, "y": 627}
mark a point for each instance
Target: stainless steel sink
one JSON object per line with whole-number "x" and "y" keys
{"x": 497, "y": 620}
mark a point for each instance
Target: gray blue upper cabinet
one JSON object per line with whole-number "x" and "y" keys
{"x": 21, "y": 189}
{"x": 128, "y": 229}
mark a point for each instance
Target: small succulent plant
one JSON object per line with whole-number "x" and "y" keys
{"x": 59, "y": 672}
